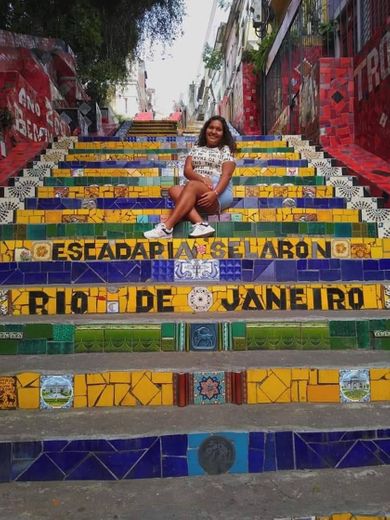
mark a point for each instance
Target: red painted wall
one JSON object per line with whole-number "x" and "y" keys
{"x": 372, "y": 94}
{"x": 246, "y": 113}
{"x": 336, "y": 102}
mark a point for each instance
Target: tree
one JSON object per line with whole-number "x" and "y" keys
{"x": 104, "y": 34}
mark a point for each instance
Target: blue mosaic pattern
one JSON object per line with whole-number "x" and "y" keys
{"x": 166, "y": 203}
{"x": 129, "y": 271}
{"x": 177, "y": 455}
{"x": 262, "y": 163}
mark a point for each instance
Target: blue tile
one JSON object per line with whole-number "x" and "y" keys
{"x": 5, "y": 462}
{"x": 359, "y": 435}
{"x": 203, "y": 337}
{"x": 332, "y": 452}
{"x": 26, "y": 450}
{"x": 174, "y": 467}
{"x": 269, "y": 452}
{"x": 330, "y": 275}
{"x": 68, "y": 460}
{"x": 305, "y": 457}
{"x": 90, "y": 469}
{"x": 150, "y": 464}
{"x": 43, "y": 469}
{"x": 89, "y": 445}
{"x": 141, "y": 443}
{"x": 384, "y": 264}
{"x": 284, "y": 450}
{"x": 120, "y": 463}
{"x": 323, "y": 437}
{"x": 359, "y": 455}
{"x": 372, "y": 276}
{"x": 371, "y": 265}
{"x": 351, "y": 270}
{"x": 59, "y": 278}
{"x": 35, "y": 278}
{"x": 383, "y": 433}
{"x": 174, "y": 445}
{"x": 55, "y": 446}
{"x": 255, "y": 460}
{"x": 286, "y": 271}
{"x": 384, "y": 446}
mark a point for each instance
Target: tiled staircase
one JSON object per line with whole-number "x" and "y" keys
{"x": 284, "y": 312}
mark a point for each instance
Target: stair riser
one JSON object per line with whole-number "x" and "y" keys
{"x": 188, "y": 299}
{"x": 197, "y": 336}
{"x": 64, "y": 389}
{"x": 191, "y": 454}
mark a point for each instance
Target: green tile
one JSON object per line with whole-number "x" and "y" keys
{"x": 32, "y": 346}
{"x": 36, "y": 232}
{"x": 240, "y": 344}
{"x": 363, "y": 334}
{"x": 168, "y": 344}
{"x": 168, "y": 330}
{"x": 315, "y": 336}
{"x": 63, "y": 332}
{"x": 9, "y": 346}
{"x": 342, "y": 328}
{"x": 89, "y": 339}
{"x": 38, "y": 330}
{"x": 238, "y": 329}
{"x": 60, "y": 347}
{"x": 270, "y": 336}
{"x": 343, "y": 343}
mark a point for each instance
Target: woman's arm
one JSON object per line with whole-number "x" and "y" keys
{"x": 208, "y": 199}
{"x": 191, "y": 175}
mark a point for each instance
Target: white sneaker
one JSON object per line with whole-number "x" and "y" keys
{"x": 203, "y": 229}
{"x": 160, "y": 231}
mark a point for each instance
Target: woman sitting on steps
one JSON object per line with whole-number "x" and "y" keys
{"x": 208, "y": 169}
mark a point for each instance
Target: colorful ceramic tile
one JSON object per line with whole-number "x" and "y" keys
{"x": 209, "y": 387}
{"x": 354, "y": 386}
{"x": 56, "y": 391}
{"x": 8, "y": 398}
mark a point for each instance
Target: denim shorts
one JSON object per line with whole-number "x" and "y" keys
{"x": 225, "y": 199}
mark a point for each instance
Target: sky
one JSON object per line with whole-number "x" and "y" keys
{"x": 170, "y": 71}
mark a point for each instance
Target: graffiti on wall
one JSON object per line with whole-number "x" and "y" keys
{"x": 372, "y": 88}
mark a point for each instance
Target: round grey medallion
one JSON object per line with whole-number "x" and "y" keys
{"x": 216, "y": 455}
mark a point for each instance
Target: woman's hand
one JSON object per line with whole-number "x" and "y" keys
{"x": 207, "y": 200}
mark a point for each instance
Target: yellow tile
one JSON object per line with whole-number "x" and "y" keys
{"x": 28, "y": 397}
{"x": 28, "y": 379}
{"x": 80, "y": 401}
{"x": 162, "y": 377}
{"x": 302, "y": 391}
{"x": 79, "y": 385}
{"x": 323, "y": 394}
{"x": 313, "y": 376}
{"x": 378, "y": 373}
{"x": 380, "y": 390}
{"x": 95, "y": 379}
{"x": 300, "y": 374}
{"x": 120, "y": 377}
{"x": 145, "y": 390}
{"x": 328, "y": 376}
{"x": 93, "y": 394}
{"x": 273, "y": 387}
{"x": 167, "y": 395}
{"x": 129, "y": 400}
{"x": 341, "y": 516}
{"x": 261, "y": 397}
{"x": 284, "y": 374}
{"x": 120, "y": 390}
{"x": 156, "y": 400}
{"x": 258, "y": 375}
{"x": 285, "y": 397}
{"x": 251, "y": 389}
{"x": 106, "y": 397}
{"x": 294, "y": 392}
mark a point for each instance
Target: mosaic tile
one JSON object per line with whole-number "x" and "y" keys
{"x": 56, "y": 391}
{"x": 209, "y": 387}
{"x": 203, "y": 336}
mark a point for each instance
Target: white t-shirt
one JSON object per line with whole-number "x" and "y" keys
{"x": 208, "y": 161}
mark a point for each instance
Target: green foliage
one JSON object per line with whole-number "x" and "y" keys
{"x": 212, "y": 59}
{"x": 259, "y": 56}
{"x": 104, "y": 34}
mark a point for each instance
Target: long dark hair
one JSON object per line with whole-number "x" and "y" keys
{"x": 227, "y": 138}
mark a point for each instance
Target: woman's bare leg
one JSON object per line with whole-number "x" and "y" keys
{"x": 186, "y": 202}
{"x": 193, "y": 215}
